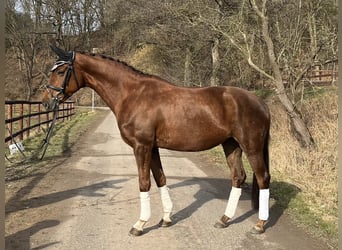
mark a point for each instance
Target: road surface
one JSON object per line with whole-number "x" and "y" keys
{"x": 91, "y": 200}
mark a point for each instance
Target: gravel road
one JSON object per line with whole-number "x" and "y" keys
{"x": 91, "y": 201}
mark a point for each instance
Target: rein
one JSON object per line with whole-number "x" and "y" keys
{"x": 44, "y": 145}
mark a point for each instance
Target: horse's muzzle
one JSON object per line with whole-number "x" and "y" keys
{"x": 49, "y": 104}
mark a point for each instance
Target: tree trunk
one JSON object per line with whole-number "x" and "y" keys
{"x": 187, "y": 71}
{"x": 300, "y": 130}
{"x": 216, "y": 62}
{"x": 311, "y": 20}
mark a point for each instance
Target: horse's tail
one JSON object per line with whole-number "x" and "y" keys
{"x": 255, "y": 187}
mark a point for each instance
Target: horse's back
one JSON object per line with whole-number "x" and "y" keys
{"x": 199, "y": 118}
{"x": 191, "y": 119}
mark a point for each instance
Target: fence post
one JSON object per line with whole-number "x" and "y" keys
{"x": 69, "y": 110}
{"x": 10, "y": 116}
{"x": 21, "y": 121}
{"x": 333, "y": 72}
{"x": 47, "y": 118}
{"x": 28, "y": 120}
{"x": 63, "y": 111}
{"x": 39, "y": 117}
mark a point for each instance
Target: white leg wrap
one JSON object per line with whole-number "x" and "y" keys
{"x": 166, "y": 201}
{"x": 145, "y": 206}
{"x": 140, "y": 225}
{"x": 264, "y": 197}
{"x": 234, "y": 197}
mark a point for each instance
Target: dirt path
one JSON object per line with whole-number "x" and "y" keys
{"x": 90, "y": 201}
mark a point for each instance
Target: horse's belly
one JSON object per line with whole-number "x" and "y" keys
{"x": 191, "y": 139}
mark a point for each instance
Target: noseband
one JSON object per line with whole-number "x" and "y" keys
{"x": 61, "y": 90}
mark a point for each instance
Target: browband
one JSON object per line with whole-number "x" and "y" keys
{"x": 57, "y": 64}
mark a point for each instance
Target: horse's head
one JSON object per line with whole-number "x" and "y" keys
{"x": 64, "y": 80}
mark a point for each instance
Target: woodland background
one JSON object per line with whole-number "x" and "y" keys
{"x": 266, "y": 46}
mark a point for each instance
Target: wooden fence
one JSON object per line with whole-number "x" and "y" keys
{"x": 323, "y": 77}
{"x": 24, "y": 118}
{"x": 326, "y": 74}
{"x": 319, "y": 75}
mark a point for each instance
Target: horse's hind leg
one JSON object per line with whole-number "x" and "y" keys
{"x": 262, "y": 177}
{"x": 160, "y": 179}
{"x": 233, "y": 154}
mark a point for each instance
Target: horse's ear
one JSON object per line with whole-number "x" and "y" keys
{"x": 62, "y": 55}
{"x": 59, "y": 52}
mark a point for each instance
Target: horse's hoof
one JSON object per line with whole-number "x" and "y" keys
{"x": 257, "y": 230}
{"x": 222, "y": 223}
{"x": 135, "y": 232}
{"x": 163, "y": 223}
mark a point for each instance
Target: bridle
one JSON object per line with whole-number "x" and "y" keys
{"x": 61, "y": 90}
{"x": 57, "y": 100}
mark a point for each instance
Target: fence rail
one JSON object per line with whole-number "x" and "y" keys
{"x": 325, "y": 74}
{"x": 24, "y": 117}
{"x": 323, "y": 77}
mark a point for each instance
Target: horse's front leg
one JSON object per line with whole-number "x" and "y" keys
{"x": 143, "y": 158}
{"x": 160, "y": 179}
{"x": 233, "y": 154}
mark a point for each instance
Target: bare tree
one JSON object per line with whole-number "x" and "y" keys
{"x": 27, "y": 42}
{"x": 238, "y": 30}
{"x": 214, "y": 81}
{"x": 301, "y": 130}
{"x": 198, "y": 42}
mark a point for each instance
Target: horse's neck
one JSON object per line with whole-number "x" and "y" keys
{"x": 108, "y": 80}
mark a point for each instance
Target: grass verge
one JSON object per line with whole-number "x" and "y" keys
{"x": 65, "y": 135}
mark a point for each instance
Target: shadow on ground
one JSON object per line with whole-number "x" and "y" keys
{"x": 215, "y": 188}
{"x": 16, "y": 203}
{"x": 21, "y": 239}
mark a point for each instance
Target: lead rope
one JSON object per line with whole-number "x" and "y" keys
{"x": 50, "y": 131}
{"x": 44, "y": 145}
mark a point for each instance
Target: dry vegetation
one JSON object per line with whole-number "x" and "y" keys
{"x": 313, "y": 170}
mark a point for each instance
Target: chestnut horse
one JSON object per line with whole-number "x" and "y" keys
{"x": 152, "y": 114}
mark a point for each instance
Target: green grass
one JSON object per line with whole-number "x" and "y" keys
{"x": 314, "y": 91}
{"x": 264, "y": 93}
{"x": 65, "y": 135}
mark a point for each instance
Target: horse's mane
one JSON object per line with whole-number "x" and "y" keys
{"x": 126, "y": 65}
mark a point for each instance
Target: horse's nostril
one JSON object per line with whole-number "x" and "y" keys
{"x": 46, "y": 105}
